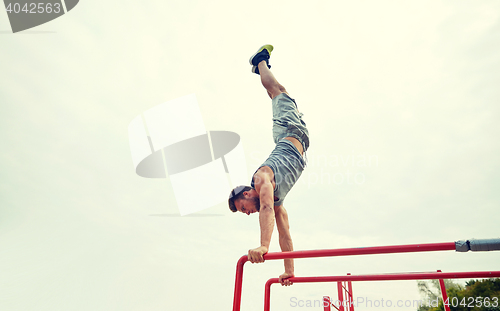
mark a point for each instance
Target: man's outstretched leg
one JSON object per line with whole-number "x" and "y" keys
{"x": 260, "y": 61}
{"x": 269, "y": 81}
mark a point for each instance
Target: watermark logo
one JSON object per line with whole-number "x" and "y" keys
{"x": 333, "y": 169}
{"x": 203, "y": 166}
{"x": 362, "y": 302}
{"x": 26, "y": 14}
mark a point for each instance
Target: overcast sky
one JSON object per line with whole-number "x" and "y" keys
{"x": 402, "y": 104}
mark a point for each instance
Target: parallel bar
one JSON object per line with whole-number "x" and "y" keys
{"x": 412, "y": 248}
{"x": 394, "y": 277}
{"x": 379, "y": 277}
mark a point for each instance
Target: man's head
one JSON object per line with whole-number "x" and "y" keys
{"x": 244, "y": 199}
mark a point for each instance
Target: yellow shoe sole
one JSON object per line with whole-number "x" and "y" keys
{"x": 268, "y": 47}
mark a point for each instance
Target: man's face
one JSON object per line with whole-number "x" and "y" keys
{"x": 249, "y": 204}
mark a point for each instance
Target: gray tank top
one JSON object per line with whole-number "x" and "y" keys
{"x": 287, "y": 165}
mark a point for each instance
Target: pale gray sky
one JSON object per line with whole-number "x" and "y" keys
{"x": 411, "y": 86}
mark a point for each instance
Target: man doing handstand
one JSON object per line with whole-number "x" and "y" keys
{"x": 276, "y": 176}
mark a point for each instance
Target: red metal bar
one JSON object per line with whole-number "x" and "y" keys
{"x": 411, "y": 248}
{"x": 238, "y": 283}
{"x": 349, "y": 285}
{"x": 444, "y": 294}
{"x": 326, "y": 303}
{"x": 394, "y": 277}
{"x": 341, "y": 298}
{"x": 267, "y": 295}
{"x": 344, "y": 287}
{"x": 379, "y": 277}
{"x": 331, "y": 303}
{"x": 346, "y": 295}
{"x": 351, "y": 304}
{"x": 336, "y": 252}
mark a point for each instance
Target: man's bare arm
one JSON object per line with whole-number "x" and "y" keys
{"x": 265, "y": 189}
{"x": 286, "y": 243}
{"x": 266, "y": 213}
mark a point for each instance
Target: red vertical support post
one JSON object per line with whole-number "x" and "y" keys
{"x": 346, "y": 296}
{"x": 267, "y": 295}
{"x": 351, "y": 300}
{"x": 326, "y": 303}
{"x": 238, "y": 283}
{"x": 446, "y": 303}
{"x": 341, "y": 298}
{"x": 349, "y": 287}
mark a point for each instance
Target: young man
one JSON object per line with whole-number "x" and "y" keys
{"x": 276, "y": 176}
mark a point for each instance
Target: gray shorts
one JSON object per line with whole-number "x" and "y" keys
{"x": 287, "y": 121}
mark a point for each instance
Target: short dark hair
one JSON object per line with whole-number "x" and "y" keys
{"x": 236, "y": 196}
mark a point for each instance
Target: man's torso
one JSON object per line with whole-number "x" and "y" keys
{"x": 284, "y": 166}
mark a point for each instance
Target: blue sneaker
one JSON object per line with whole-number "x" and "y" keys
{"x": 263, "y": 53}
